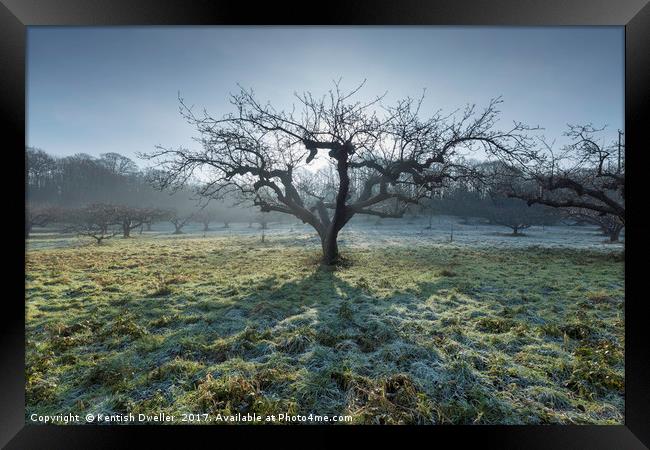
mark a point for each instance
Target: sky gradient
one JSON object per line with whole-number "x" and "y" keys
{"x": 115, "y": 89}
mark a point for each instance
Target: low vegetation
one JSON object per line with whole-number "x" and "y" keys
{"x": 438, "y": 334}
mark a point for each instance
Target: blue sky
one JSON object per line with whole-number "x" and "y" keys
{"x": 97, "y": 90}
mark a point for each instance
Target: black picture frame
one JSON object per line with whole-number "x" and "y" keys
{"x": 16, "y": 15}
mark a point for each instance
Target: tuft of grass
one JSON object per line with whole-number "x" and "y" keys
{"x": 593, "y": 373}
{"x": 495, "y": 324}
{"x": 447, "y": 273}
{"x": 577, "y": 330}
{"x": 599, "y": 297}
{"x": 124, "y": 325}
{"x": 39, "y": 389}
{"x": 164, "y": 321}
{"x": 177, "y": 369}
{"x": 236, "y": 394}
{"x": 297, "y": 342}
{"x": 161, "y": 286}
{"x": 391, "y": 400}
{"x": 113, "y": 373}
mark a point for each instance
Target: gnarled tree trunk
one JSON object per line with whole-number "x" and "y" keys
{"x": 126, "y": 229}
{"x": 615, "y": 233}
{"x": 341, "y": 214}
{"x": 330, "y": 248}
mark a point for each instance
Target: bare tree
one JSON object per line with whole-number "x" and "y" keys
{"x": 118, "y": 164}
{"x": 495, "y": 182}
{"x": 611, "y": 226}
{"x": 40, "y": 216}
{"x": 431, "y": 205}
{"x": 130, "y": 218}
{"x": 205, "y": 217}
{"x": 98, "y": 221}
{"x": 584, "y": 174}
{"x": 513, "y": 213}
{"x": 380, "y": 158}
{"x": 153, "y": 215}
{"x": 180, "y": 220}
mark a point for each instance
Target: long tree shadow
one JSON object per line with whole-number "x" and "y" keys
{"x": 340, "y": 350}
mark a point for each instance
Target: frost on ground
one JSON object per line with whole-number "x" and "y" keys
{"x": 411, "y": 329}
{"x": 364, "y": 233}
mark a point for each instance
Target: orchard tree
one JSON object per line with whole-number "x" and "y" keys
{"x": 497, "y": 181}
{"x": 129, "y": 218}
{"x": 379, "y": 158}
{"x": 153, "y": 215}
{"x": 514, "y": 213}
{"x": 205, "y": 217}
{"x": 40, "y": 216}
{"x": 584, "y": 174}
{"x": 179, "y": 220}
{"x": 432, "y": 205}
{"x": 610, "y": 225}
{"x": 99, "y": 221}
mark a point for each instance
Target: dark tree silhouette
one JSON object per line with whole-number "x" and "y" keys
{"x": 495, "y": 182}
{"x": 118, "y": 164}
{"x": 130, "y": 218}
{"x": 611, "y": 226}
{"x": 153, "y": 215}
{"x": 513, "y": 213}
{"x": 466, "y": 204}
{"x": 99, "y": 221}
{"x": 40, "y": 216}
{"x": 205, "y": 217}
{"x": 380, "y": 159}
{"x": 179, "y": 220}
{"x": 584, "y": 174}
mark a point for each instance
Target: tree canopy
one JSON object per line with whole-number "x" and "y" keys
{"x": 381, "y": 157}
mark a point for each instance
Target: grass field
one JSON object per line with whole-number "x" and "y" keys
{"x": 431, "y": 334}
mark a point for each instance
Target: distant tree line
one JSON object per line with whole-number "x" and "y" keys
{"x": 81, "y": 179}
{"x": 106, "y": 196}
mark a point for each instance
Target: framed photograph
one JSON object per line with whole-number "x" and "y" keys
{"x": 381, "y": 219}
